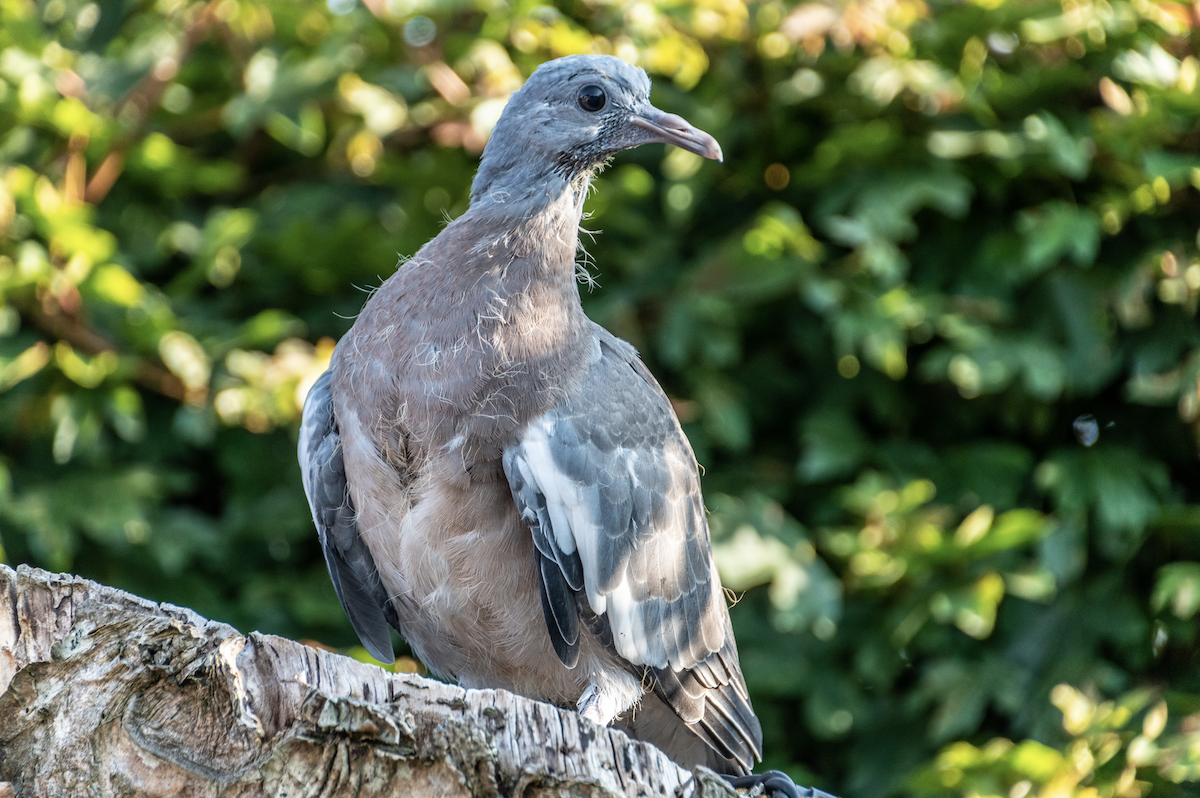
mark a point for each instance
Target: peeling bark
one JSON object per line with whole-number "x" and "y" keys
{"x": 106, "y": 694}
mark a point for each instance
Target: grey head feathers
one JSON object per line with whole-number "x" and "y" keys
{"x": 570, "y": 117}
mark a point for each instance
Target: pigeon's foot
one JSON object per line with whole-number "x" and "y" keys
{"x": 773, "y": 784}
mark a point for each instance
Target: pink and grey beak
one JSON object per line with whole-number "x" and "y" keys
{"x": 672, "y": 129}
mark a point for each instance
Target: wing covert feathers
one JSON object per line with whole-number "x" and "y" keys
{"x": 610, "y": 491}
{"x": 351, "y": 567}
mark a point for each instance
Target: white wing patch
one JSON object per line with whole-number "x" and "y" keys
{"x": 575, "y": 517}
{"x": 629, "y": 628}
{"x": 537, "y": 466}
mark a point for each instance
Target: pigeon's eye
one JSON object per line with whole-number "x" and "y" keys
{"x": 592, "y": 98}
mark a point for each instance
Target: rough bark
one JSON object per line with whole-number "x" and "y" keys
{"x": 103, "y": 693}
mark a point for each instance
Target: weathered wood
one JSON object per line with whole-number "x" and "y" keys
{"x": 106, "y": 694}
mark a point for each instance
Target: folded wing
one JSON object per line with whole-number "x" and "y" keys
{"x": 351, "y": 566}
{"x": 609, "y": 488}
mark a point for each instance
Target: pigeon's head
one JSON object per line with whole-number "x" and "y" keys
{"x": 572, "y": 115}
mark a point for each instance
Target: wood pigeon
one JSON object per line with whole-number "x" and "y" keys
{"x": 502, "y": 480}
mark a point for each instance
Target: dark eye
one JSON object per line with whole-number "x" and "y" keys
{"x": 592, "y": 98}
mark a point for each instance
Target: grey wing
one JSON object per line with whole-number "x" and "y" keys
{"x": 351, "y": 567}
{"x": 609, "y": 488}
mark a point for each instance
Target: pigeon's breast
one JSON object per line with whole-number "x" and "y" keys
{"x": 444, "y": 359}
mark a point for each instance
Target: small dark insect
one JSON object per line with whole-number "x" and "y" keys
{"x": 1087, "y": 431}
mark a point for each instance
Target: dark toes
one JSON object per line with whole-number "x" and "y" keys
{"x": 776, "y": 784}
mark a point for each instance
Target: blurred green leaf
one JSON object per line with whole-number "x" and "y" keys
{"x": 1178, "y": 586}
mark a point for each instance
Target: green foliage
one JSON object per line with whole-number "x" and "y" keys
{"x": 931, "y": 328}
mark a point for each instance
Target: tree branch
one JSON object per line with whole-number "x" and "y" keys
{"x": 104, "y": 693}
{"x": 67, "y": 327}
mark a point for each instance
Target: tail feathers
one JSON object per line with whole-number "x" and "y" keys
{"x": 716, "y": 709}
{"x": 687, "y": 744}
